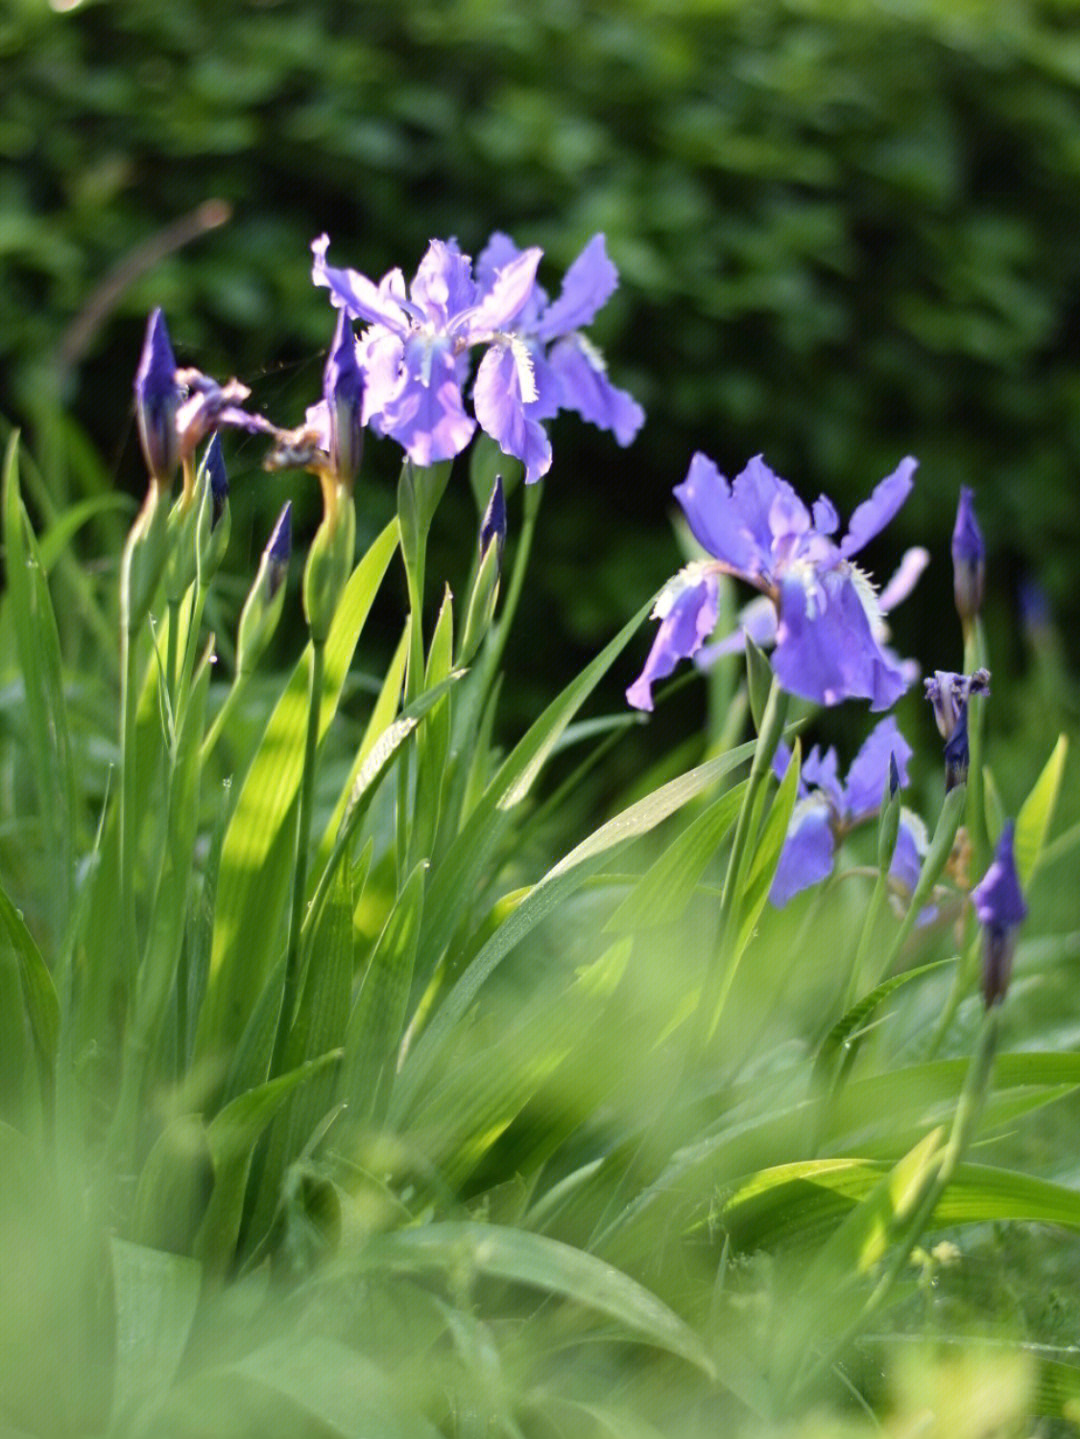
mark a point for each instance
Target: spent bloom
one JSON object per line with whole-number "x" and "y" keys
{"x": 415, "y": 351}
{"x": 1000, "y": 908}
{"x": 949, "y": 693}
{"x": 828, "y": 809}
{"x": 828, "y": 624}
{"x": 969, "y": 558}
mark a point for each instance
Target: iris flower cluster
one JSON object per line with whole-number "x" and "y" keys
{"x": 415, "y": 354}
{"x": 829, "y": 630}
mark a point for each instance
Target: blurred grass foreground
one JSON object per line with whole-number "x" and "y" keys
{"x": 402, "y": 1033}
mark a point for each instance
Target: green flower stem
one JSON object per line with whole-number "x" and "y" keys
{"x": 128, "y": 799}
{"x": 866, "y": 936}
{"x": 966, "y": 967}
{"x": 493, "y": 650}
{"x": 721, "y": 973}
{"x": 969, "y": 1108}
{"x": 172, "y": 653}
{"x": 303, "y": 836}
{"x": 221, "y": 719}
{"x": 936, "y": 859}
{"x": 975, "y": 656}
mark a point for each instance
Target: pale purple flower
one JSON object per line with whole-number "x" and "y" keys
{"x": 827, "y": 810}
{"x": 1000, "y": 908}
{"x": 415, "y": 351}
{"x": 828, "y": 617}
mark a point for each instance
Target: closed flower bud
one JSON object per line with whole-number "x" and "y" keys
{"x": 343, "y": 391}
{"x": 262, "y": 609}
{"x": 214, "y": 519}
{"x": 493, "y": 524}
{"x": 957, "y": 756}
{"x": 969, "y": 559}
{"x": 157, "y": 400}
{"x": 1000, "y": 908}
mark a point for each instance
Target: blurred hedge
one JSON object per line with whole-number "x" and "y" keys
{"x": 847, "y": 230}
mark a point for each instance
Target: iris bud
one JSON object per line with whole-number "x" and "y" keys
{"x": 969, "y": 559}
{"x": 262, "y": 608}
{"x": 1000, "y": 908}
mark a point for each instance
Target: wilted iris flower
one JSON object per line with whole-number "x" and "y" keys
{"x": 415, "y": 352}
{"x": 828, "y": 616}
{"x": 1000, "y": 907}
{"x": 948, "y": 693}
{"x": 828, "y": 810}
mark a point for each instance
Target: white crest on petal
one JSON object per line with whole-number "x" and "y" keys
{"x": 526, "y": 373}
{"x": 689, "y": 576}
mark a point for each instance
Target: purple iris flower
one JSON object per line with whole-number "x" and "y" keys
{"x": 827, "y": 810}
{"x": 828, "y": 616}
{"x": 1000, "y": 907}
{"x": 415, "y": 352}
{"x": 568, "y": 372}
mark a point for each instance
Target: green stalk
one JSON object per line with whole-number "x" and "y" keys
{"x": 172, "y": 654}
{"x": 493, "y": 650}
{"x": 721, "y": 973}
{"x": 128, "y": 797}
{"x": 936, "y": 859}
{"x": 303, "y": 837}
{"x": 975, "y": 655}
{"x": 965, "y": 1121}
{"x": 221, "y": 719}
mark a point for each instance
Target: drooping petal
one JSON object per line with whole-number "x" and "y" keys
{"x": 588, "y": 285}
{"x": 826, "y": 651}
{"x": 871, "y": 517}
{"x": 716, "y": 520}
{"x": 687, "y": 613}
{"x": 586, "y": 389}
{"x": 868, "y": 776}
{"x": 501, "y": 395}
{"x": 807, "y": 855}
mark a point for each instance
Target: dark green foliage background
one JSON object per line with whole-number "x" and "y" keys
{"x": 846, "y": 231}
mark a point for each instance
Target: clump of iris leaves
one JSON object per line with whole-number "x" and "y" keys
{"x": 333, "y": 1102}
